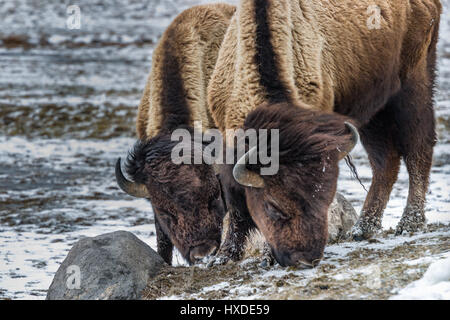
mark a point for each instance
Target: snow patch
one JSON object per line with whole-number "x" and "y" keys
{"x": 435, "y": 284}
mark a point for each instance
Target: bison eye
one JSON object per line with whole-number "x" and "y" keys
{"x": 275, "y": 213}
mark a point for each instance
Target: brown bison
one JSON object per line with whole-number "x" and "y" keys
{"x": 186, "y": 199}
{"x": 317, "y": 70}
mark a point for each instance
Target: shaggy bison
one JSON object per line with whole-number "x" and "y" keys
{"x": 186, "y": 199}
{"x": 317, "y": 70}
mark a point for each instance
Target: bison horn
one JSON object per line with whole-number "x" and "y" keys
{"x": 133, "y": 189}
{"x": 216, "y": 169}
{"x": 354, "y": 141}
{"x": 245, "y": 177}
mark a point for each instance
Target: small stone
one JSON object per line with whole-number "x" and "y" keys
{"x": 323, "y": 286}
{"x": 341, "y": 218}
{"x": 264, "y": 264}
{"x": 279, "y": 283}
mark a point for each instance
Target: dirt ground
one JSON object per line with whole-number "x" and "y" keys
{"x": 375, "y": 269}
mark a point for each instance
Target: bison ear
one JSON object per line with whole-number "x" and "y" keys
{"x": 345, "y": 150}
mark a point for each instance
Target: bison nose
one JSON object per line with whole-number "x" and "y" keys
{"x": 203, "y": 250}
{"x": 301, "y": 260}
{"x": 298, "y": 259}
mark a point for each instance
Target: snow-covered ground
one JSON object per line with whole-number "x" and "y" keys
{"x": 68, "y": 100}
{"x": 378, "y": 269}
{"x": 435, "y": 283}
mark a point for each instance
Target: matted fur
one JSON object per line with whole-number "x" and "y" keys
{"x": 186, "y": 199}
{"x": 327, "y": 56}
{"x": 194, "y": 40}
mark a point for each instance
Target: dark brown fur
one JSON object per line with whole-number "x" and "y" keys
{"x": 175, "y": 109}
{"x": 292, "y": 209}
{"x": 265, "y": 57}
{"x": 186, "y": 199}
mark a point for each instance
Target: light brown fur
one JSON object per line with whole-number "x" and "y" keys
{"x": 199, "y": 33}
{"x": 288, "y": 63}
{"x": 321, "y": 46}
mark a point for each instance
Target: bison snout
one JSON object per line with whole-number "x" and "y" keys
{"x": 298, "y": 259}
{"x": 203, "y": 250}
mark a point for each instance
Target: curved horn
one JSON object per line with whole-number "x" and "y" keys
{"x": 354, "y": 141}
{"x": 216, "y": 169}
{"x": 133, "y": 189}
{"x": 245, "y": 177}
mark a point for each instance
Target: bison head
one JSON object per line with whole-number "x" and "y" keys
{"x": 187, "y": 199}
{"x": 290, "y": 208}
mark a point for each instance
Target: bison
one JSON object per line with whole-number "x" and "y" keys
{"x": 186, "y": 199}
{"x": 322, "y": 73}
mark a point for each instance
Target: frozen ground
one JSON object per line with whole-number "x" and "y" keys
{"x": 435, "y": 283}
{"x": 378, "y": 269}
{"x": 68, "y": 99}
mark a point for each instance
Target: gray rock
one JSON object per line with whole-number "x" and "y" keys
{"x": 109, "y": 267}
{"x": 341, "y": 218}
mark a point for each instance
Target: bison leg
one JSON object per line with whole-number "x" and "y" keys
{"x": 240, "y": 221}
{"x": 405, "y": 128}
{"x": 413, "y": 218}
{"x": 165, "y": 246}
{"x": 377, "y": 138}
{"x": 417, "y": 137}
